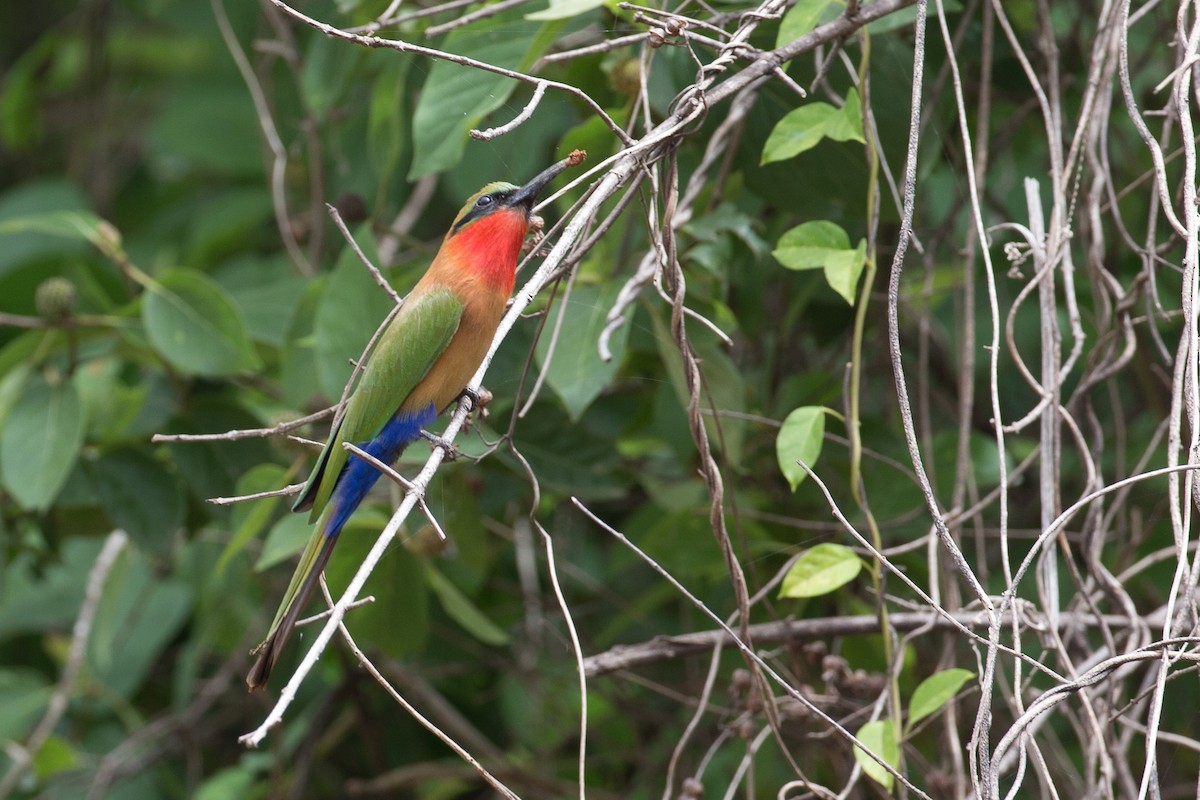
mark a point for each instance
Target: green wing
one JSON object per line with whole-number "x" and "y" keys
{"x": 416, "y": 337}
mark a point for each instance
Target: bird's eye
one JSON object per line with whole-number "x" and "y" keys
{"x": 485, "y": 201}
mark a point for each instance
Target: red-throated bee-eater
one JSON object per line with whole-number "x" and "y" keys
{"x": 419, "y": 365}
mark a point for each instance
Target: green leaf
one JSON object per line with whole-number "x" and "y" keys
{"x": 63, "y": 224}
{"x": 456, "y": 98}
{"x": 801, "y": 19}
{"x": 820, "y": 244}
{"x": 229, "y": 782}
{"x": 460, "y": 609}
{"x": 56, "y": 755}
{"x": 800, "y": 439}
{"x": 41, "y": 441}
{"x": 880, "y": 738}
{"x": 140, "y": 495}
{"x": 139, "y": 614}
{"x": 286, "y": 538}
{"x": 24, "y": 694}
{"x": 194, "y": 324}
{"x": 250, "y": 518}
{"x": 935, "y": 691}
{"x": 326, "y": 70}
{"x": 37, "y": 599}
{"x": 397, "y": 623}
{"x": 266, "y": 291}
{"x": 209, "y": 128}
{"x": 11, "y": 387}
{"x": 576, "y": 372}
{"x": 804, "y": 127}
{"x": 351, "y": 308}
{"x": 565, "y": 9}
{"x": 821, "y": 570}
{"x": 30, "y": 222}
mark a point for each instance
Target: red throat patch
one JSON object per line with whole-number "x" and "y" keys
{"x": 490, "y": 247}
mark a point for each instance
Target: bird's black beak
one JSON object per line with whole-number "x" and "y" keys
{"x": 527, "y": 194}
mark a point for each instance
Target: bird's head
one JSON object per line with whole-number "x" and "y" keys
{"x": 515, "y": 203}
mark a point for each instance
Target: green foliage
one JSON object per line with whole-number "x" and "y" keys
{"x": 169, "y": 267}
{"x": 799, "y": 442}
{"x": 934, "y": 692}
{"x": 196, "y": 326}
{"x": 824, "y": 245}
{"x": 805, "y": 127}
{"x": 880, "y": 738}
{"x": 820, "y": 570}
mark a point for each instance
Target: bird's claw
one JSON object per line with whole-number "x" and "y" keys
{"x": 445, "y": 445}
{"x": 479, "y": 398}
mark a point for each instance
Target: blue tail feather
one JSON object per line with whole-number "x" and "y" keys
{"x": 358, "y": 476}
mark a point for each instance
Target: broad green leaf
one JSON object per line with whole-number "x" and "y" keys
{"x": 351, "y": 308}
{"x": 11, "y": 387}
{"x": 843, "y": 269}
{"x": 41, "y": 440}
{"x": 820, "y": 244}
{"x": 139, "y": 614}
{"x": 208, "y": 128}
{"x": 56, "y": 755}
{"x": 250, "y": 518}
{"x": 934, "y": 692}
{"x": 229, "y": 782}
{"x": 24, "y": 694}
{"x": 30, "y": 222}
{"x": 821, "y": 570}
{"x": 565, "y": 9}
{"x": 576, "y": 372}
{"x": 724, "y": 384}
{"x": 140, "y": 495}
{"x": 41, "y": 599}
{"x": 880, "y": 738}
{"x": 80, "y": 224}
{"x": 285, "y": 539}
{"x": 397, "y": 623}
{"x": 804, "y": 127}
{"x": 800, "y": 439}
{"x": 326, "y": 70}
{"x": 266, "y": 291}
{"x": 460, "y": 608}
{"x": 456, "y": 98}
{"x": 802, "y": 18}
{"x": 194, "y": 324}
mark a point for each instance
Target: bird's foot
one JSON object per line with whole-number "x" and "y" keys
{"x": 479, "y": 399}
{"x": 445, "y": 445}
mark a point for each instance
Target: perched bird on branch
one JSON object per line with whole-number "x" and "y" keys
{"x": 419, "y": 365}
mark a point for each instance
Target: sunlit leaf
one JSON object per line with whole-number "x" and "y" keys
{"x": 935, "y": 691}
{"x": 880, "y": 738}
{"x": 802, "y": 18}
{"x": 819, "y": 244}
{"x": 804, "y": 127}
{"x": 821, "y": 570}
{"x": 799, "y": 440}
{"x": 565, "y": 9}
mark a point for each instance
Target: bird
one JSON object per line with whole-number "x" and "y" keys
{"x": 419, "y": 366}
